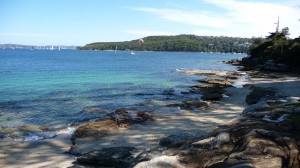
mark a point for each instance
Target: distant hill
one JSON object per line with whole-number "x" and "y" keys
{"x": 190, "y": 43}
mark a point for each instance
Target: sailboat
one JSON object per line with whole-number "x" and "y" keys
{"x": 132, "y": 53}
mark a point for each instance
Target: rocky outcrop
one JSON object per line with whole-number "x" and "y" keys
{"x": 262, "y": 138}
{"x": 121, "y": 118}
{"x": 251, "y": 142}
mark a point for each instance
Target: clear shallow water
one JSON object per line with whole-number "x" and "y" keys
{"x": 52, "y": 87}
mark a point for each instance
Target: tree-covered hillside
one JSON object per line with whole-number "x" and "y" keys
{"x": 278, "y": 48}
{"x": 191, "y": 43}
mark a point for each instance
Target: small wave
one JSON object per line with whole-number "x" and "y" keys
{"x": 67, "y": 131}
{"x": 280, "y": 119}
{"x": 240, "y": 82}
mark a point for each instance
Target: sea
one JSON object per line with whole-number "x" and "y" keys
{"x": 51, "y": 88}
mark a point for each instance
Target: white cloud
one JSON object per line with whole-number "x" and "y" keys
{"x": 196, "y": 18}
{"x": 234, "y": 17}
{"x": 144, "y": 33}
{"x": 258, "y": 17}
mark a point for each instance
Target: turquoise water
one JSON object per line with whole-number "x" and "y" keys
{"x": 52, "y": 87}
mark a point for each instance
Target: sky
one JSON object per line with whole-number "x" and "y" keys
{"x": 79, "y": 22}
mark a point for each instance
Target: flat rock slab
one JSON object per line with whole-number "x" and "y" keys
{"x": 119, "y": 157}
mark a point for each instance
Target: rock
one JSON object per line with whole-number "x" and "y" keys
{"x": 44, "y": 128}
{"x": 212, "y": 97}
{"x": 119, "y": 157}
{"x": 124, "y": 122}
{"x": 118, "y": 119}
{"x": 258, "y": 93}
{"x": 210, "y": 92}
{"x": 147, "y": 155}
{"x": 121, "y": 111}
{"x": 167, "y": 141}
{"x": 262, "y": 105}
{"x": 216, "y": 81}
{"x": 198, "y": 104}
{"x": 7, "y": 130}
{"x": 213, "y": 142}
{"x": 29, "y": 128}
{"x": 96, "y": 128}
{"x": 244, "y": 165}
{"x": 144, "y": 115}
{"x": 91, "y": 109}
{"x": 161, "y": 162}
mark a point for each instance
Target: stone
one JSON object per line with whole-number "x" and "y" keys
{"x": 91, "y": 109}
{"x": 216, "y": 81}
{"x": 214, "y": 141}
{"x": 194, "y": 103}
{"x": 144, "y": 115}
{"x": 260, "y": 106}
{"x": 118, "y": 157}
{"x": 121, "y": 111}
{"x": 167, "y": 141}
{"x": 96, "y": 128}
{"x": 29, "y": 128}
{"x": 212, "y": 97}
{"x": 258, "y": 93}
{"x": 118, "y": 119}
{"x": 211, "y": 92}
{"x": 161, "y": 162}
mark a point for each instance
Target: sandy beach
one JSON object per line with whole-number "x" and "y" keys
{"x": 49, "y": 153}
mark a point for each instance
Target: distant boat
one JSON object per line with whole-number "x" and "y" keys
{"x": 132, "y": 53}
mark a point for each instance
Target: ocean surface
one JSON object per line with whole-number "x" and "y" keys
{"x": 51, "y": 88}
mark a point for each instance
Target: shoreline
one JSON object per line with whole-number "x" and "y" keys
{"x": 199, "y": 123}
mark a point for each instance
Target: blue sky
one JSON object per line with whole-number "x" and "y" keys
{"x": 78, "y": 22}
